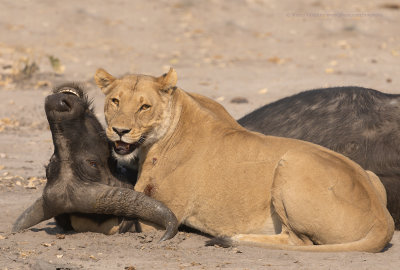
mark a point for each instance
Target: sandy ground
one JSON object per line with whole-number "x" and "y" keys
{"x": 241, "y": 53}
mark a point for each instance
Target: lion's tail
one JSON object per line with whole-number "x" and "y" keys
{"x": 375, "y": 241}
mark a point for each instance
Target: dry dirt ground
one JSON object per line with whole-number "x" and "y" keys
{"x": 241, "y": 53}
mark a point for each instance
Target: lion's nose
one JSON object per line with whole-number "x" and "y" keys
{"x": 121, "y": 131}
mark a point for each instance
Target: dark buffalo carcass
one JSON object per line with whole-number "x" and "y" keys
{"x": 363, "y": 124}
{"x": 82, "y": 190}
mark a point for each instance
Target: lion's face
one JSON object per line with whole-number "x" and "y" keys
{"x": 137, "y": 110}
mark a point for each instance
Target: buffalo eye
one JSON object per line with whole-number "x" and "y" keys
{"x": 144, "y": 107}
{"x": 115, "y": 101}
{"x": 92, "y": 163}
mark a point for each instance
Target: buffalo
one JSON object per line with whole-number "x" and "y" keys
{"x": 85, "y": 188}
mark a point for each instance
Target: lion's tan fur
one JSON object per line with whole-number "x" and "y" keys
{"x": 84, "y": 224}
{"x": 223, "y": 180}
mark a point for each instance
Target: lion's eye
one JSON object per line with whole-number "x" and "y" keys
{"x": 145, "y": 107}
{"x": 92, "y": 163}
{"x": 115, "y": 101}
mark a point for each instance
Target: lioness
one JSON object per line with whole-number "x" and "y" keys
{"x": 226, "y": 181}
{"x": 358, "y": 122}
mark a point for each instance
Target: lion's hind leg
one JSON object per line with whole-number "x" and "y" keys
{"x": 326, "y": 204}
{"x": 380, "y": 188}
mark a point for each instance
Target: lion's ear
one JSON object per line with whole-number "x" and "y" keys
{"x": 168, "y": 80}
{"x": 103, "y": 79}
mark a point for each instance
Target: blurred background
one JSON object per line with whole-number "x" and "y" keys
{"x": 243, "y": 54}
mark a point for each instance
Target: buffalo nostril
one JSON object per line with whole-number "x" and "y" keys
{"x": 64, "y": 105}
{"x": 121, "y": 131}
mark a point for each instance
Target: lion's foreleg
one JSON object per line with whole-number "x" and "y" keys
{"x": 147, "y": 227}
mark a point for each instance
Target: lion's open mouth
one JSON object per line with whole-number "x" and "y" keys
{"x": 123, "y": 148}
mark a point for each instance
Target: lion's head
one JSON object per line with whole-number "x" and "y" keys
{"x": 137, "y": 109}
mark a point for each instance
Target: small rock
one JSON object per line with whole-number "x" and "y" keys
{"x": 41, "y": 84}
{"x": 333, "y": 63}
{"x": 30, "y": 185}
{"x": 263, "y": 91}
{"x": 276, "y": 60}
{"x": 390, "y": 6}
{"x": 235, "y": 250}
{"x": 93, "y": 258}
{"x": 239, "y": 100}
{"x": 329, "y": 70}
{"x": 60, "y": 236}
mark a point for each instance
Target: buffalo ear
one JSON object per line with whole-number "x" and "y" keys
{"x": 103, "y": 80}
{"x": 168, "y": 80}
